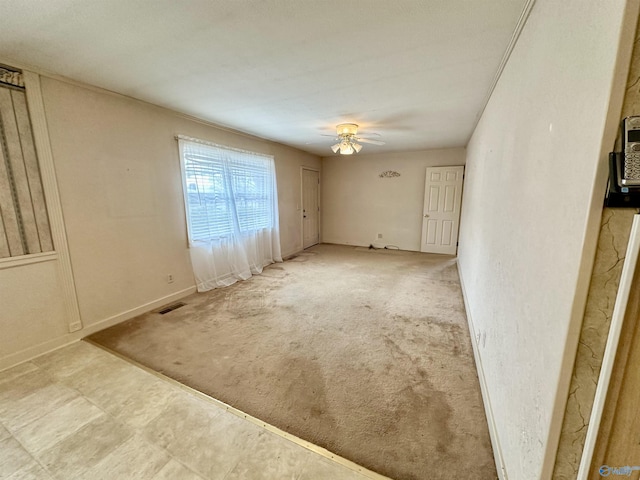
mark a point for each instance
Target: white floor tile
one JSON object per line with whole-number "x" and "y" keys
{"x": 71, "y": 457}
{"x": 271, "y": 456}
{"x": 174, "y": 470}
{"x": 16, "y": 414}
{"x": 54, "y": 427}
{"x": 18, "y": 370}
{"x": 14, "y": 458}
{"x": 33, "y": 472}
{"x": 66, "y": 361}
{"x": 4, "y": 433}
{"x": 18, "y": 387}
{"x": 135, "y": 459}
{"x": 208, "y": 442}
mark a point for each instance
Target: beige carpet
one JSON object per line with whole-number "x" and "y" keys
{"x": 366, "y": 353}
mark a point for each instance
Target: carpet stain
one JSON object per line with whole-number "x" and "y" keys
{"x": 396, "y": 350}
{"x": 244, "y": 304}
{"x": 308, "y": 387}
{"x": 364, "y": 353}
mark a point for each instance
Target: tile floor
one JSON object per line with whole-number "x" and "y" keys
{"x": 82, "y": 413}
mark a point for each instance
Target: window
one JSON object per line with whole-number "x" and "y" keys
{"x": 227, "y": 191}
{"x": 24, "y": 221}
{"x": 231, "y": 203}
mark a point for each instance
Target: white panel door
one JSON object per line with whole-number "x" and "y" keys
{"x": 310, "y": 208}
{"x": 441, "y": 212}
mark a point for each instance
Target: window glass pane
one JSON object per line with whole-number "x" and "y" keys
{"x": 227, "y": 191}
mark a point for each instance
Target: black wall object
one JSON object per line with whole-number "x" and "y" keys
{"x": 618, "y": 196}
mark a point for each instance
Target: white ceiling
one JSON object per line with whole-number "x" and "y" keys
{"x": 415, "y": 71}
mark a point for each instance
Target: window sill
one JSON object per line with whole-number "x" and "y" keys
{"x": 11, "y": 262}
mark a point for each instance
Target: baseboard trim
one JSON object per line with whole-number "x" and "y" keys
{"x": 30, "y": 353}
{"x": 289, "y": 256}
{"x": 134, "y": 312}
{"x": 486, "y": 400}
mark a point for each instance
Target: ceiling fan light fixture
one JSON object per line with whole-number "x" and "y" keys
{"x": 348, "y": 140}
{"x": 346, "y": 148}
{"x": 347, "y": 129}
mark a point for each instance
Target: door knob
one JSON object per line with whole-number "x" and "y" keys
{"x": 426, "y": 215}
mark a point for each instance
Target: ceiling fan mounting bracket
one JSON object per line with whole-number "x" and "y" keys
{"x": 350, "y": 129}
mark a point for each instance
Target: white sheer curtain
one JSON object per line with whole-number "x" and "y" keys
{"x": 231, "y": 203}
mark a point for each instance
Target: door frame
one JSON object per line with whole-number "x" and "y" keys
{"x": 301, "y": 208}
{"x": 462, "y": 169}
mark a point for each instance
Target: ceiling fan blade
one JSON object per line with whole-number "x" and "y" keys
{"x": 369, "y": 140}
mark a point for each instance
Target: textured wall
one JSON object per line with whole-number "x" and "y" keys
{"x": 525, "y": 227}
{"x": 612, "y": 245}
{"x": 118, "y": 173}
{"x": 357, "y": 204}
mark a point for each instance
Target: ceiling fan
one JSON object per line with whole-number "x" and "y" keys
{"x": 349, "y": 141}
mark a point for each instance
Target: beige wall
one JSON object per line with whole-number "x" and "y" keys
{"x": 32, "y": 307}
{"x": 37, "y": 295}
{"x": 357, "y": 204}
{"x": 118, "y": 173}
{"x": 536, "y": 166}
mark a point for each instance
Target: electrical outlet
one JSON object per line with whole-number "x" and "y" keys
{"x": 379, "y": 235}
{"x": 170, "y": 278}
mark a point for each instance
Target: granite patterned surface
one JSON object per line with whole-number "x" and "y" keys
{"x": 612, "y": 245}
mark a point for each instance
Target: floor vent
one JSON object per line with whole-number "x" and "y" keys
{"x": 170, "y": 308}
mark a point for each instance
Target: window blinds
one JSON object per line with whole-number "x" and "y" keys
{"x": 227, "y": 191}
